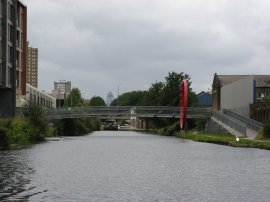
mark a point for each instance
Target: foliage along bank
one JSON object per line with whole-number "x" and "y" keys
{"x": 222, "y": 139}
{"x": 75, "y": 127}
{"x": 18, "y": 132}
{"x": 33, "y": 128}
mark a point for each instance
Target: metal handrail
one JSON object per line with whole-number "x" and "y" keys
{"x": 252, "y": 124}
{"x": 125, "y": 111}
{"x": 230, "y": 121}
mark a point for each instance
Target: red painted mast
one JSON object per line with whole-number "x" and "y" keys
{"x": 183, "y": 104}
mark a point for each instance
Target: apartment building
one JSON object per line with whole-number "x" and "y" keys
{"x": 13, "y": 53}
{"x": 32, "y": 66}
{"x": 61, "y": 88}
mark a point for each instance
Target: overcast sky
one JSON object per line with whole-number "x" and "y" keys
{"x": 100, "y": 44}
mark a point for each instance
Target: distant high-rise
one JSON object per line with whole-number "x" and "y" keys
{"x": 32, "y": 66}
{"x": 61, "y": 88}
{"x": 109, "y": 98}
{"x": 13, "y": 47}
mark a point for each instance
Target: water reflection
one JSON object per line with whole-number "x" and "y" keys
{"x": 15, "y": 176}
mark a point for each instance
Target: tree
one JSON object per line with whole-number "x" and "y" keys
{"x": 35, "y": 114}
{"x": 153, "y": 97}
{"x": 97, "y": 101}
{"x": 133, "y": 98}
{"x": 74, "y": 99}
{"x": 171, "y": 90}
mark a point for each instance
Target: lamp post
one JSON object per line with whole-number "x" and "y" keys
{"x": 117, "y": 96}
{"x": 71, "y": 101}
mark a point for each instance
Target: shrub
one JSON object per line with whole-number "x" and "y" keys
{"x": 93, "y": 124}
{"x": 266, "y": 130}
{"x": 21, "y": 132}
{"x": 4, "y": 138}
{"x": 200, "y": 124}
{"x": 74, "y": 127}
{"x": 35, "y": 115}
{"x": 5, "y": 123}
{"x": 171, "y": 130}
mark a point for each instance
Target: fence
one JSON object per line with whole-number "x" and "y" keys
{"x": 260, "y": 112}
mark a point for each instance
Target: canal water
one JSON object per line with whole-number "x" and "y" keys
{"x": 129, "y": 166}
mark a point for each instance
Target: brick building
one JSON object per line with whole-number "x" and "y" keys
{"x": 32, "y": 66}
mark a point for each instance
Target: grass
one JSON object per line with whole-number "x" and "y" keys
{"x": 222, "y": 139}
{"x": 228, "y": 140}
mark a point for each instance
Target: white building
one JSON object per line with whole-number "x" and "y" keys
{"x": 37, "y": 96}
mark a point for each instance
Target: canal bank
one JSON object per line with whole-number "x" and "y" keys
{"x": 227, "y": 140}
{"x": 221, "y": 139}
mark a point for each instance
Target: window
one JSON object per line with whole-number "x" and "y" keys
{"x": 10, "y": 54}
{"x": 9, "y": 11}
{"x": 1, "y": 7}
{"x": 17, "y": 79}
{"x": 9, "y": 33}
{"x": 22, "y": 20}
{"x": 9, "y": 76}
{"x": 17, "y": 58}
{"x": 19, "y": 18}
{"x": 18, "y": 39}
{"x": 1, "y": 27}
{"x": 1, "y": 74}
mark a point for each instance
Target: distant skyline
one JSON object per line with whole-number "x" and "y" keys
{"x": 100, "y": 44}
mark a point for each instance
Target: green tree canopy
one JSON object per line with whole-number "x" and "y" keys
{"x": 160, "y": 93}
{"x": 74, "y": 99}
{"x": 168, "y": 93}
{"x": 154, "y": 95}
{"x": 97, "y": 101}
{"x": 171, "y": 90}
{"x": 133, "y": 98}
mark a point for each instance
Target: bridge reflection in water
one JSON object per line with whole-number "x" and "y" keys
{"x": 126, "y": 112}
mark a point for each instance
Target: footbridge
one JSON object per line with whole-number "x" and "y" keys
{"x": 126, "y": 112}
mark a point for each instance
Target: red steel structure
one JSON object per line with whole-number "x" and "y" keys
{"x": 183, "y": 104}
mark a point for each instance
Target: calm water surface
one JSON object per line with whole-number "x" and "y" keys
{"x": 129, "y": 166}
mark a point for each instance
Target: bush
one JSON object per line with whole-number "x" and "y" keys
{"x": 21, "y": 132}
{"x": 35, "y": 115}
{"x": 171, "y": 130}
{"x": 93, "y": 124}
{"x": 266, "y": 130}
{"x": 4, "y": 138}
{"x": 200, "y": 124}
{"x": 5, "y": 123}
{"x": 75, "y": 127}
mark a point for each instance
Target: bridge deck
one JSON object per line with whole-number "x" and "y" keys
{"x": 125, "y": 112}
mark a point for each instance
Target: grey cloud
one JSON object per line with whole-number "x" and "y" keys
{"x": 100, "y": 44}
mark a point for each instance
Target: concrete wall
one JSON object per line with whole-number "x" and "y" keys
{"x": 238, "y": 95}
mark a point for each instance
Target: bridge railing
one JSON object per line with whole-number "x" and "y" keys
{"x": 126, "y": 112}
{"x": 156, "y": 111}
{"x": 199, "y": 112}
{"x": 87, "y": 112}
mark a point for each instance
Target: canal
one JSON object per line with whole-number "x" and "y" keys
{"x": 129, "y": 166}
